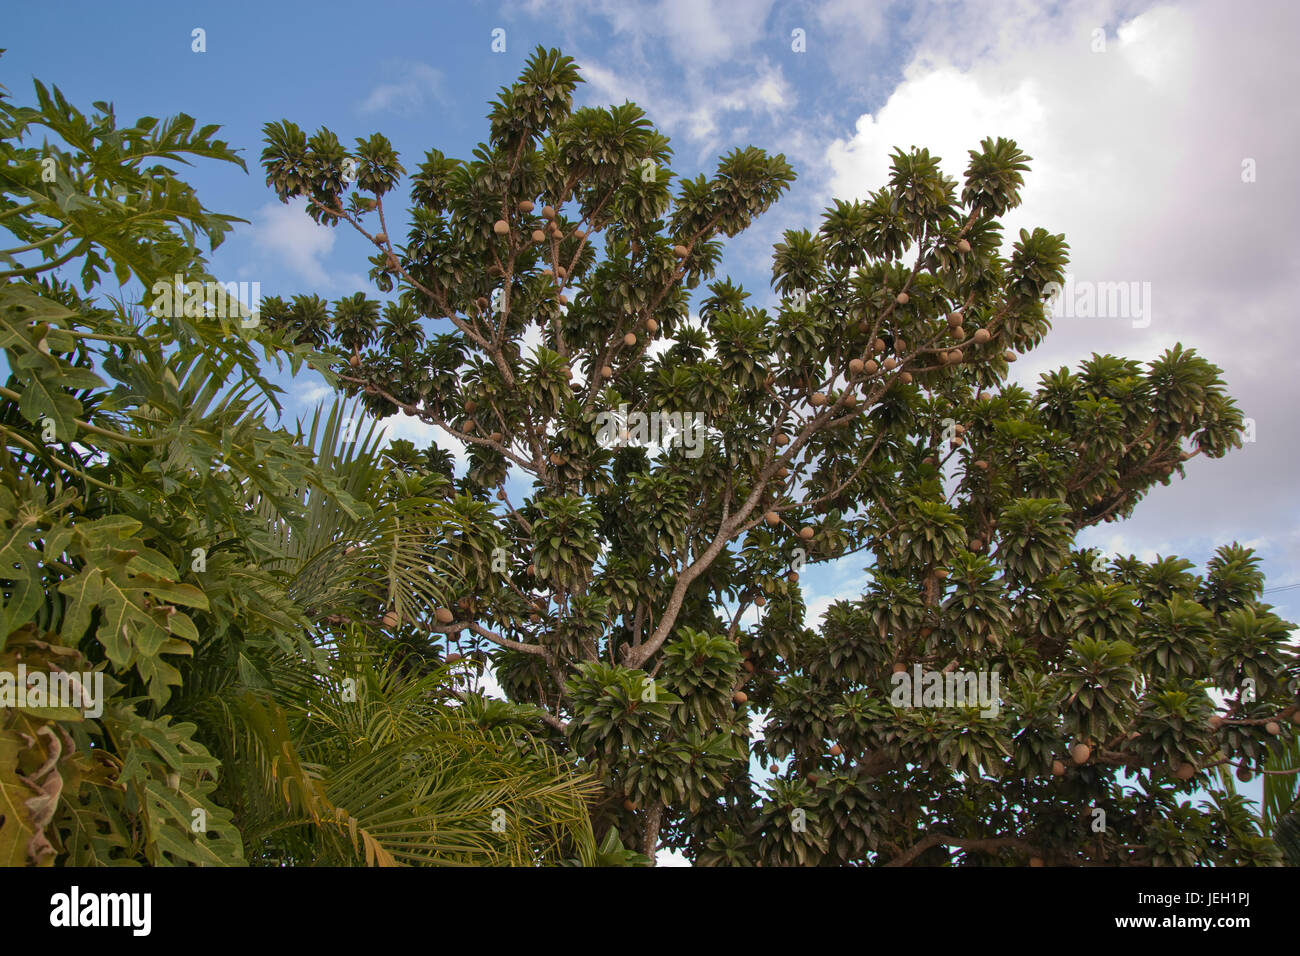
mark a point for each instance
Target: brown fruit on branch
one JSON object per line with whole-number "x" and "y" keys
{"x": 1058, "y": 768}
{"x": 443, "y": 615}
{"x": 817, "y": 399}
{"x": 548, "y": 212}
{"x": 955, "y": 356}
{"x": 606, "y": 372}
{"x": 940, "y": 573}
{"x": 955, "y": 319}
{"x": 630, "y": 339}
{"x": 760, "y": 601}
{"x": 836, "y": 750}
{"x": 501, "y": 227}
{"x": 976, "y": 544}
{"x": 1244, "y": 774}
{"x": 1273, "y": 727}
{"x": 471, "y": 406}
{"x": 355, "y": 360}
{"x": 870, "y": 366}
{"x": 981, "y": 464}
{"x": 963, "y": 245}
{"x": 905, "y": 378}
{"x": 747, "y": 666}
{"x": 772, "y": 518}
{"x": 381, "y": 238}
{"x": 782, "y": 439}
{"x": 899, "y": 667}
{"x": 539, "y": 236}
{"x": 807, "y": 533}
{"x": 739, "y": 697}
{"x": 901, "y": 298}
{"x": 982, "y": 336}
{"x": 651, "y": 325}
{"x": 1185, "y": 771}
{"x": 878, "y": 345}
{"x": 891, "y": 364}
{"x": 391, "y": 620}
{"x": 1009, "y": 355}
{"x": 629, "y": 806}
{"x": 680, "y": 251}
{"x": 856, "y": 366}
{"x": 1080, "y": 753}
{"x": 899, "y": 345}
{"x": 482, "y": 303}
{"x": 525, "y": 205}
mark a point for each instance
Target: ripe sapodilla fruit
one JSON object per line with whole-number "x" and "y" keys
{"x": 651, "y": 325}
{"x": 525, "y": 205}
{"x": 391, "y": 620}
{"x": 955, "y": 319}
{"x": 496, "y": 437}
{"x": 1273, "y": 727}
{"x": 680, "y": 251}
{"x": 606, "y": 372}
{"x": 899, "y": 667}
{"x": 355, "y": 360}
{"x": 890, "y": 364}
{"x": 878, "y": 345}
{"x": 1058, "y": 768}
{"x": 501, "y": 227}
{"x": 548, "y": 212}
{"x": 817, "y": 398}
{"x": 1009, "y": 355}
{"x": 982, "y": 336}
{"x": 784, "y": 473}
{"x": 856, "y": 366}
{"x": 739, "y": 697}
{"x": 381, "y": 238}
{"x": 760, "y": 601}
{"x": 482, "y": 303}
{"x": 906, "y": 378}
{"x": 1243, "y": 774}
{"x": 955, "y": 356}
{"x": 981, "y": 464}
{"x": 807, "y": 533}
{"x": 870, "y": 366}
{"x": 901, "y": 298}
{"x": 782, "y": 439}
{"x": 963, "y": 245}
{"x": 629, "y": 340}
{"x": 629, "y": 806}
{"x": 443, "y": 616}
{"x": 539, "y": 236}
{"x": 836, "y": 750}
{"x": 1080, "y": 753}
{"x": 772, "y": 518}
{"x": 940, "y": 573}
{"x": 1185, "y": 771}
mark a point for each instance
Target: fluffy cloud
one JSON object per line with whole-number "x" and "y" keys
{"x": 1137, "y": 158}
{"x": 412, "y": 85}
{"x": 287, "y": 234}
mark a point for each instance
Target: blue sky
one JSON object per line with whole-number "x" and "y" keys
{"x": 1138, "y": 149}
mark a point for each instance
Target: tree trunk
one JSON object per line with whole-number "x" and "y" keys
{"x": 653, "y": 820}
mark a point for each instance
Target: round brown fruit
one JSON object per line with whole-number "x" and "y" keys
{"x": 525, "y": 205}
{"x": 982, "y": 336}
{"x": 836, "y": 750}
{"x": 813, "y": 778}
{"x": 955, "y": 319}
{"x": 856, "y": 366}
{"x": 891, "y": 364}
{"x": 539, "y": 236}
{"x": 782, "y": 440}
{"x": 879, "y": 345}
{"x": 940, "y": 573}
{"x": 870, "y": 366}
{"x": 901, "y": 298}
{"x": 748, "y": 667}
{"x": 784, "y": 473}
{"x": 760, "y": 601}
{"x": 651, "y": 325}
{"x": 772, "y": 518}
{"x": 355, "y": 360}
{"x": 739, "y": 697}
{"x": 1185, "y": 771}
{"x": 1273, "y": 727}
{"x": 981, "y": 464}
{"x": 496, "y": 437}
{"x": 548, "y": 212}
{"x": 1244, "y": 774}
{"x": 482, "y": 303}
{"x": 1080, "y": 753}
{"x": 793, "y": 577}
{"x": 976, "y": 544}
{"x": 773, "y": 769}
{"x": 963, "y": 245}
{"x": 1009, "y": 355}
{"x": 381, "y": 238}
{"x": 899, "y": 667}
{"x": 1058, "y": 768}
{"x": 955, "y": 356}
{"x": 471, "y": 407}
{"x": 680, "y": 251}
{"x": 906, "y": 378}
{"x": 391, "y": 620}
{"x": 501, "y": 227}
{"x": 606, "y": 372}
{"x": 629, "y": 806}
{"x": 817, "y": 398}
{"x": 806, "y": 533}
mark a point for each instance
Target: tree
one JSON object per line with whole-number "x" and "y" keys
{"x": 869, "y": 413}
{"x": 227, "y": 580}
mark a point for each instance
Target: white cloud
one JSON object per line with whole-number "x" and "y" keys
{"x": 286, "y": 233}
{"x": 411, "y": 87}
